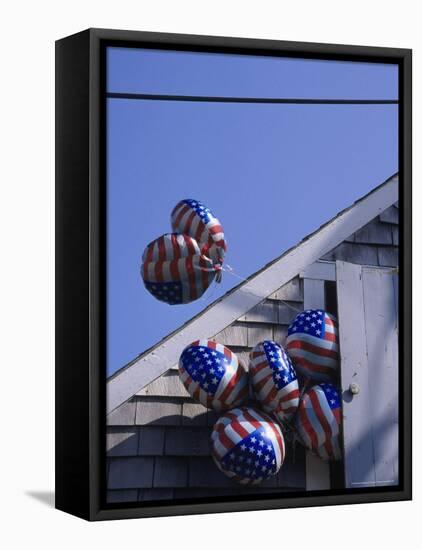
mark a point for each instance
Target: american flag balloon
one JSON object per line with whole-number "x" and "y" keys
{"x": 247, "y": 445}
{"x": 213, "y": 375}
{"x": 273, "y": 379}
{"x": 312, "y": 344}
{"x": 318, "y": 421}
{"x": 193, "y": 218}
{"x": 175, "y": 271}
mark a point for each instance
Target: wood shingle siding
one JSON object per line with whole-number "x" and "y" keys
{"x": 158, "y": 410}
{"x": 130, "y": 473}
{"x": 391, "y": 215}
{"x": 170, "y": 472}
{"x": 167, "y": 385}
{"x": 194, "y": 414}
{"x": 122, "y": 441}
{"x": 395, "y": 231}
{"x": 234, "y": 335}
{"x": 388, "y": 257}
{"x": 354, "y": 253}
{"x": 187, "y": 442}
{"x": 374, "y": 232}
{"x": 151, "y": 440}
{"x": 292, "y": 291}
{"x": 265, "y": 312}
{"x": 123, "y": 415}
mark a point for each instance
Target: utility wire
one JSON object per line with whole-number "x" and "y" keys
{"x": 273, "y": 100}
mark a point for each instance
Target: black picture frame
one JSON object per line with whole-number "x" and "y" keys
{"x": 80, "y": 270}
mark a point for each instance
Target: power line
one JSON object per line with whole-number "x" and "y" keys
{"x": 270, "y": 100}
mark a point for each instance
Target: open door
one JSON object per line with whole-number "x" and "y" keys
{"x": 368, "y": 331}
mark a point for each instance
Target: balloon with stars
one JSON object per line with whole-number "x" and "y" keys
{"x": 247, "y": 445}
{"x": 312, "y": 344}
{"x": 213, "y": 375}
{"x": 274, "y": 380}
{"x": 318, "y": 421}
{"x": 174, "y": 269}
{"x": 193, "y": 218}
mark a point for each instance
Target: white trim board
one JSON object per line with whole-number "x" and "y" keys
{"x": 144, "y": 369}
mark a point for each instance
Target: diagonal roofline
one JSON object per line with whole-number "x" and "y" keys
{"x": 156, "y": 360}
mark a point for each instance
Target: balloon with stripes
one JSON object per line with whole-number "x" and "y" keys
{"x": 318, "y": 421}
{"x": 274, "y": 380}
{"x": 193, "y": 218}
{"x": 247, "y": 445}
{"x": 175, "y": 271}
{"x": 213, "y": 375}
{"x": 312, "y": 344}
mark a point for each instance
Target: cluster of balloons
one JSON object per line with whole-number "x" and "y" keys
{"x": 178, "y": 267}
{"x": 283, "y": 389}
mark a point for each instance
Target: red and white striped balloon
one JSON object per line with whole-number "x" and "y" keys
{"x": 213, "y": 375}
{"x": 273, "y": 380}
{"x": 247, "y": 445}
{"x": 193, "y": 218}
{"x": 175, "y": 271}
{"x": 312, "y": 344}
{"x": 318, "y": 421}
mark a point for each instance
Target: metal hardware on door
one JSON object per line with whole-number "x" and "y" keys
{"x": 354, "y": 388}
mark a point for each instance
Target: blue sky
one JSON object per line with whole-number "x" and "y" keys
{"x": 270, "y": 173}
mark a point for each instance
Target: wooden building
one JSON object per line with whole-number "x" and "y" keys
{"x": 158, "y": 437}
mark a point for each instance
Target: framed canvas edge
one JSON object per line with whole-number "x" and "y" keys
{"x": 94, "y": 377}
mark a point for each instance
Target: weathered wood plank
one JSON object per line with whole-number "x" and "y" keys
{"x": 395, "y": 232}
{"x": 374, "y": 232}
{"x": 122, "y": 441}
{"x": 265, "y": 312}
{"x": 130, "y": 473}
{"x": 258, "y": 333}
{"x": 381, "y": 336}
{"x": 357, "y": 413}
{"x": 145, "y": 368}
{"x": 323, "y": 271}
{"x": 233, "y": 335}
{"x": 160, "y": 411}
{"x": 390, "y": 215}
{"x": 168, "y": 385}
{"x": 291, "y": 291}
{"x": 280, "y": 334}
{"x": 204, "y": 473}
{"x": 287, "y": 311}
{"x": 354, "y": 253}
{"x": 396, "y": 296}
{"x": 123, "y": 415}
{"x": 170, "y": 472}
{"x": 187, "y": 442}
{"x": 317, "y": 470}
{"x": 151, "y": 441}
{"x": 388, "y": 256}
{"x": 314, "y": 294}
{"x": 194, "y": 414}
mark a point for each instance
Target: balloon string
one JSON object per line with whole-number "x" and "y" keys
{"x": 230, "y": 270}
